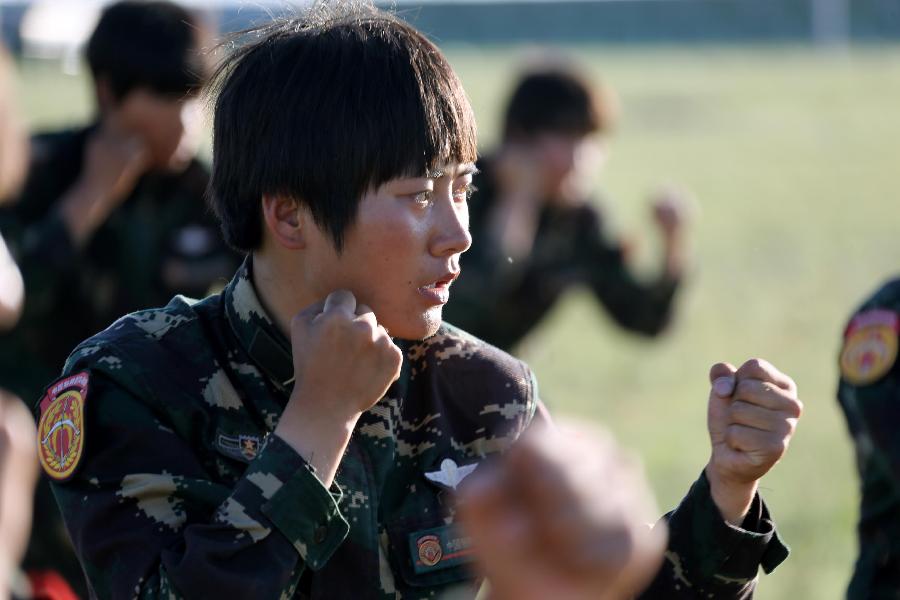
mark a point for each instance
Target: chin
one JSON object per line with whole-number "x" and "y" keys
{"x": 423, "y": 326}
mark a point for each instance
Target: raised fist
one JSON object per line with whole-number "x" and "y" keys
{"x": 344, "y": 361}
{"x": 564, "y": 515}
{"x": 752, "y": 415}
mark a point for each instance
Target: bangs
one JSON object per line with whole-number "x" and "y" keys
{"x": 425, "y": 118}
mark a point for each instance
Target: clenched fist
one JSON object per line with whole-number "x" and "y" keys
{"x": 752, "y": 415}
{"x": 343, "y": 358}
{"x": 563, "y": 515}
{"x": 344, "y": 362}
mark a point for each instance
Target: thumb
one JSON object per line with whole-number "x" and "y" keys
{"x": 722, "y": 378}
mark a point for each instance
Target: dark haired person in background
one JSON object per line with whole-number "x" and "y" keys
{"x": 537, "y": 231}
{"x": 112, "y": 217}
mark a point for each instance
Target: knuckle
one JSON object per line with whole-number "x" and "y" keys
{"x": 753, "y": 364}
{"x": 792, "y": 407}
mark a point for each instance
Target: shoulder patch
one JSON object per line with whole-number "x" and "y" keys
{"x": 870, "y": 346}
{"x": 61, "y": 426}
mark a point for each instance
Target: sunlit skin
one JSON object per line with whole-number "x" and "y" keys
{"x": 399, "y": 256}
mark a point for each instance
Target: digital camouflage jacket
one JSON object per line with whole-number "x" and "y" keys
{"x": 869, "y": 394}
{"x": 181, "y": 489}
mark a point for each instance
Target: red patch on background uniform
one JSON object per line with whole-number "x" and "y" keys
{"x": 870, "y": 346}
{"x": 61, "y": 426}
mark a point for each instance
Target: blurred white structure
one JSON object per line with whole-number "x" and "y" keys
{"x": 57, "y": 29}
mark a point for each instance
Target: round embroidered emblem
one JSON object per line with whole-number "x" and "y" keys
{"x": 869, "y": 353}
{"x": 61, "y": 427}
{"x": 430, "y": 552}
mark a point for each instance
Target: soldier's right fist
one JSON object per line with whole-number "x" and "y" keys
{"x": 344, "y": 361}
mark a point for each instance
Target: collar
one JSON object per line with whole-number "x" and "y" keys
{"x": 255, "y": 329}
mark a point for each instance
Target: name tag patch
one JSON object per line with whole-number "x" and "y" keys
{"x": 439, "y": 548}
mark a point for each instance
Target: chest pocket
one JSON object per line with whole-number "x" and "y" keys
{"x": 426, "y": 547}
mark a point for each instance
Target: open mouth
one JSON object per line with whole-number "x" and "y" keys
{"x": 439, "y": 291}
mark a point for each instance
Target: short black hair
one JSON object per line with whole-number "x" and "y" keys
{"x": 152, "y": 44}
{"x": 557, "y": 99}
{"x": 322, "y": 107}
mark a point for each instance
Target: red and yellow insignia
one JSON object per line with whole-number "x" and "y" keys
{"x": 61, "y": 426}
{"x": 870, "y": 346}
{"x": 430, "y": 551}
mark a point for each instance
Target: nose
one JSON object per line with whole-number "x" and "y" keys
{"x": 451, "y": 227}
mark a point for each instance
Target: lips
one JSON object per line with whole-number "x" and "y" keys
{"x": 438, "y": 291}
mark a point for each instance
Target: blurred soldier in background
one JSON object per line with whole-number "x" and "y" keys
{"x": 537, "y": 231}
{"x": 869, "y": 394}
{"x": 112, "y": 216}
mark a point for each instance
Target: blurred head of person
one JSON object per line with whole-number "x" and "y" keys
{"x": 356, "y": 126}
{"x": 148, "y": 65}
{"x": 560, "y": 118}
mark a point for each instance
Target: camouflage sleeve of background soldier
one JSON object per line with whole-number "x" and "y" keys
{"x": 869, "y": 388}
{"x": 641, "y": 306}
{"x": 149, "y": 520}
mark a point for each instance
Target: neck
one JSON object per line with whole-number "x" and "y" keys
{"x": 279, "y": 288}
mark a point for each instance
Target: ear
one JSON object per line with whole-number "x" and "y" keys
{"x": 287, "y": 221}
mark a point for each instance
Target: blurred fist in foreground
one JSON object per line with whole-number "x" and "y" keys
{"x": 565, "y": 514}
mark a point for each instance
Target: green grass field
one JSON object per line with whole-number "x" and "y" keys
{"x": 792, "y": 155}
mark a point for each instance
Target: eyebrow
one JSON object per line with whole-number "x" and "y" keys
{"x": 466, "y": 169}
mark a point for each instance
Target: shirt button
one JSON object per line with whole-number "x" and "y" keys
{"x": 320, "y": 534}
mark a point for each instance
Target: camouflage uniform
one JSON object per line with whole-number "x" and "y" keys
{"x": 870, "y": 400}
{"x": 501, "y": 301}
{"x": 183, "y": 491}
{"x": 161, "y": 241}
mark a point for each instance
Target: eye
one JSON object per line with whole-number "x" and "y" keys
{"x": 464, "y": 193}
{"x": 423, "y": 198}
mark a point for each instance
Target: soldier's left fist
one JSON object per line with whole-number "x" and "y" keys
{"x": 752, "y": 415}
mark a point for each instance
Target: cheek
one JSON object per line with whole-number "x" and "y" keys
{"x": 391, "y": 262}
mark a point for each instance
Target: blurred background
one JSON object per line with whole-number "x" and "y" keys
{"x": 783, "y": 120}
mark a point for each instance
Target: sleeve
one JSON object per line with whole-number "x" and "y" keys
{"x": 707, "y": 557}
{"x": 875, "y": 414}
{"x": 637, "y": 305}
{"x": 147, "y": 519}
{"x": 869, "y": 392}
